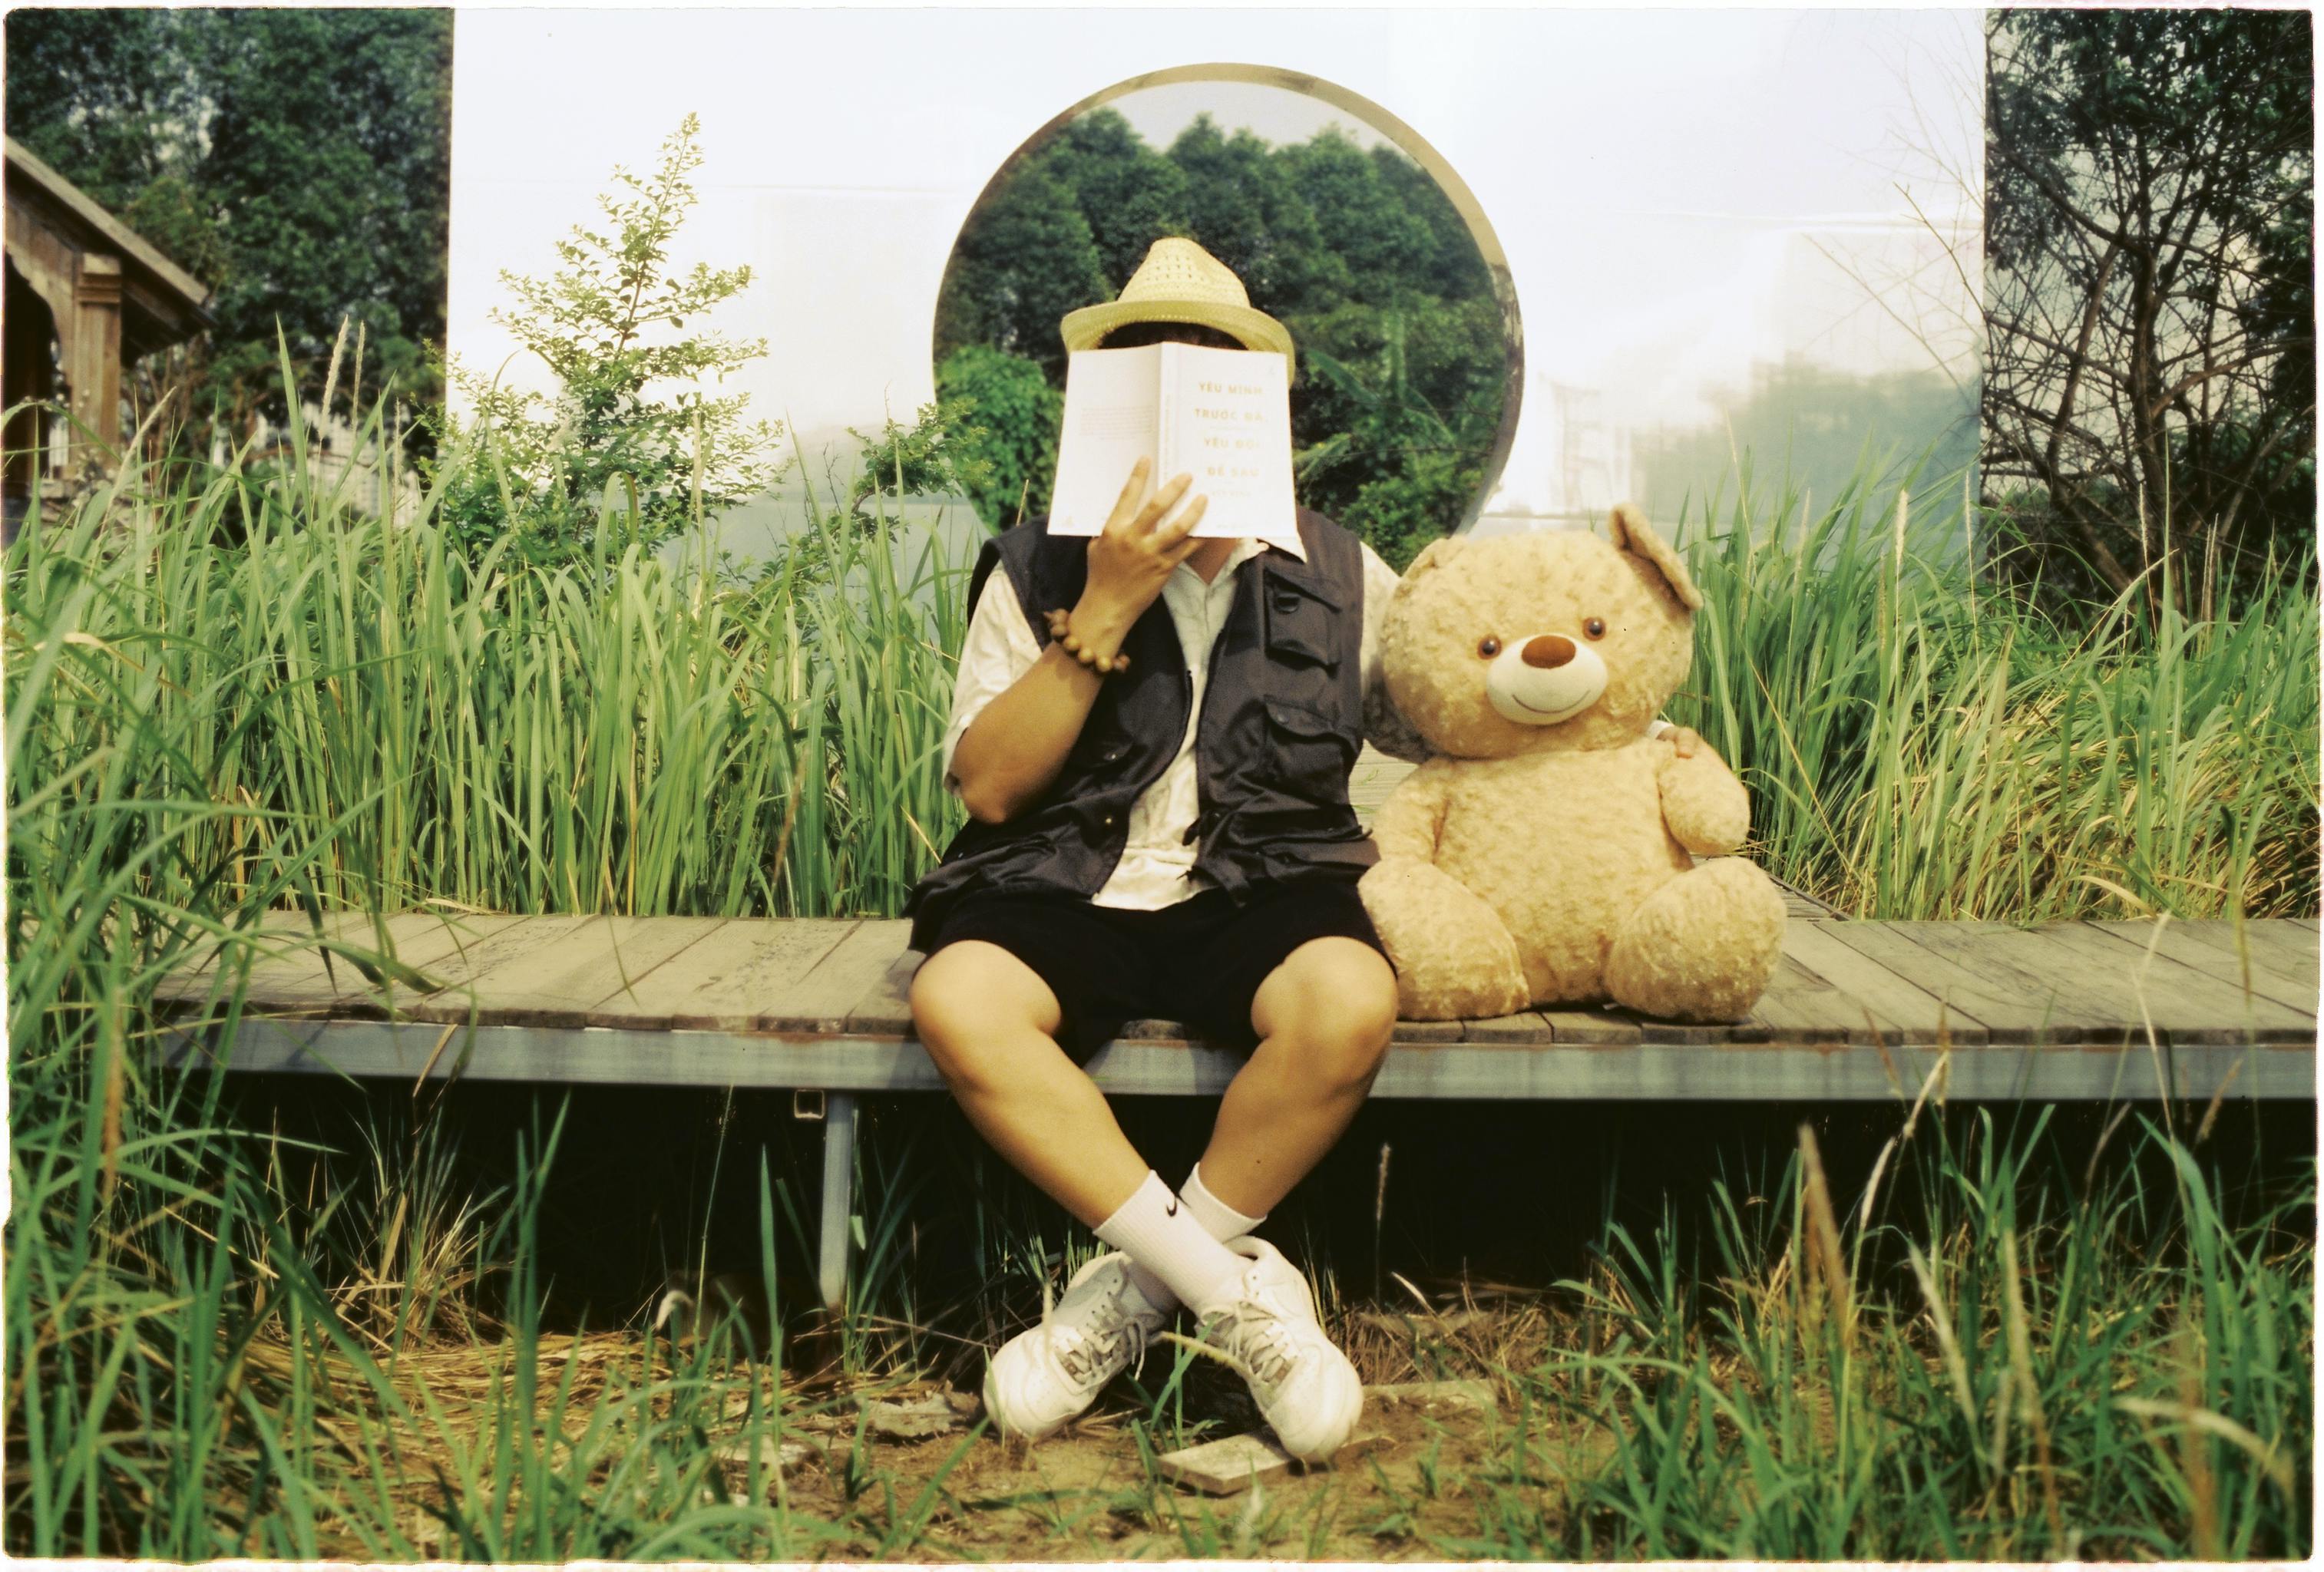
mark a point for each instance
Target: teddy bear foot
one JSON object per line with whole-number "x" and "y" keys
{"x": 1703, "y": 947}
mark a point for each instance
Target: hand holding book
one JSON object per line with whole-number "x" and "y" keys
{"x": 1133, "y": 557}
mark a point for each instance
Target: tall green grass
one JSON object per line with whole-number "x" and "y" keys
{"x": 231, "y": 692}
{"x": 1922, "y": 746}
{"x": 1969, "y": 1363}
{"x": 633, "y": 735}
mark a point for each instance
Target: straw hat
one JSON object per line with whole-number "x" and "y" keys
{"x": 1179, "y": 282}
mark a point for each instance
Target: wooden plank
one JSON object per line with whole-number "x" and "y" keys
{"x": 2090, "y": 994}
{"x": 1902, "y": 1010}
{"x": 1678, "y": 1072}
{"x": 1599, "y": 1027}
{"x": 887, "y": 1007}
{"x": 838, "y": 981}
{"x": 1426, "y": 1032}
{"x": 2190, "y": 944}
{"x": 1651, "y": 1030}
{"x": 472, "y": 960}
{"x": 1803, "y": 908}
{"x": 1527, "y": 1027}
{"x": 2185, "y": 1005}
{"x": 2013, "y": 1005}
{"x": 1149, "y": 1030}
{"x": 298, "y": 972}
{"x": 301, "y": 981}
{"x": 2285, "y": 950}
{"x": 726, "y": 980}
{"x": 557, "y": 983}
{"x": 1800, "y": 1006}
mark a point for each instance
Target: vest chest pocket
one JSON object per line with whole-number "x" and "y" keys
{"x": 1301, "y": 623}
{"x": 1311, "y": 756}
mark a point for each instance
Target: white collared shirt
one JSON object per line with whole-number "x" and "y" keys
{"x": 1156, "y": 865}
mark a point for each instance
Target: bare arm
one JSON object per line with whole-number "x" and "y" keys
{"x": 1014, "y": 748}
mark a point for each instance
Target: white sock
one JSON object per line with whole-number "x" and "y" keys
{"x": 1158, "y": 1232}
{"x": 1220, "y": 1220}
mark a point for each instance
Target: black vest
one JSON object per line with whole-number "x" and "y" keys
{"x": 1281, "y": 724}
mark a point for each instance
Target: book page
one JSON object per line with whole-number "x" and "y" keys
{"x": 1109, "y": 425}
{"x": 1226, "y": 419}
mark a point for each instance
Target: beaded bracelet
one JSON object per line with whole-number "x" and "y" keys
{"x": 1101, "y": 664}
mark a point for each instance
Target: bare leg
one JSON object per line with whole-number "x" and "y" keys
{"x": 1323, "y": 1017}
{"x": 990, "y": 1023}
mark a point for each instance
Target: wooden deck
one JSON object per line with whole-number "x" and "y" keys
{"x": 1859, "y": 1011}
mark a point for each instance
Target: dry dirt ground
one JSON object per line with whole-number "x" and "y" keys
{"x": 1422, "y": 1479}
{"x": 1416, "y": 1481}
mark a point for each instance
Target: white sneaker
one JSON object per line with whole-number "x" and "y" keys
{"x": 1046, "y": 1374}
{"x": 1306, "y": 1389}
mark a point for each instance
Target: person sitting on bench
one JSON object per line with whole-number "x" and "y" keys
{"x": 1168, "y": 838}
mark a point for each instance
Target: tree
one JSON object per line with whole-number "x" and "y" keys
{"x": 1402, "y": 343}
{"x": 1126, "y": 192}
{"x": 539, "y": 469}
{"x": 1016, "y": 417}
{"x": 2150, "y": 306}
{"x": 1023, "y": 260}
{"x": 297, "y": 161}
{"x": 1385, "y": 245}
{"x": 1245, "y": 211}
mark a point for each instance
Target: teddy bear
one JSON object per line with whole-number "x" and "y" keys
{"x": 1544, "y": 851}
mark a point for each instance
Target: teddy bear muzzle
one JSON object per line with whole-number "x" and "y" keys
{"x": 1545, "y": 679}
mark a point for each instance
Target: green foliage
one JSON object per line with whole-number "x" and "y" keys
{"x": 298, "y": 161}
{"x": 1923, "y": 741}
{"x": 1401, "y": 464}
{"x": 930, "y": 456}
{"x": 1025, "y": 258}
{"x": 1972, "y": 1361}
{"x": 1017, "y": 416}
{"x": 1360, "y": 254}
{"x": 2150, "y": 298}
{"x": 238, "y": 700}
{"x": 629, "y": 415}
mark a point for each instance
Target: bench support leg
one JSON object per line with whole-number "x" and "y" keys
{"x": 838, "y": 1198}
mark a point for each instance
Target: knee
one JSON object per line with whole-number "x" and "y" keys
{"x": 1338, "y": 1011}
{"x": 967, "y": 1013}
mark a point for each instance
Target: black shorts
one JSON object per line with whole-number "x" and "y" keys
{"x": 1199, "y": 962}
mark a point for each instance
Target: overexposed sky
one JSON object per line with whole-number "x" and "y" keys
{"x": 1680, "y": 193}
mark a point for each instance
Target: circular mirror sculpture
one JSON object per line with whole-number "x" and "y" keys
{"x": 1341, "y": 221}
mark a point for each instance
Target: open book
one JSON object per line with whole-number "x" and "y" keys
{"x": 1222, "y": 415}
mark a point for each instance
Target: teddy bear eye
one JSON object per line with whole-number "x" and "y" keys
{"x": 1595, "y": 628}
{"x": 1489, "y": 646}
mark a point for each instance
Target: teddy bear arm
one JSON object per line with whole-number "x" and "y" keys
{"x": 1705, "y": 806}
{"x": 1407, "y": 824}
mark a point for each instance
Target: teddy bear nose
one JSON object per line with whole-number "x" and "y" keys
{"x": 1548, "y": 650}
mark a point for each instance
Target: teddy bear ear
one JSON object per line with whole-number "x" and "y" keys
{"x": 1634, "y": 535}
{"x": 1434, "y": 554}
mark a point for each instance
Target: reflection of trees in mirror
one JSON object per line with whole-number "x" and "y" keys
{"x": 1403, "y": 359}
